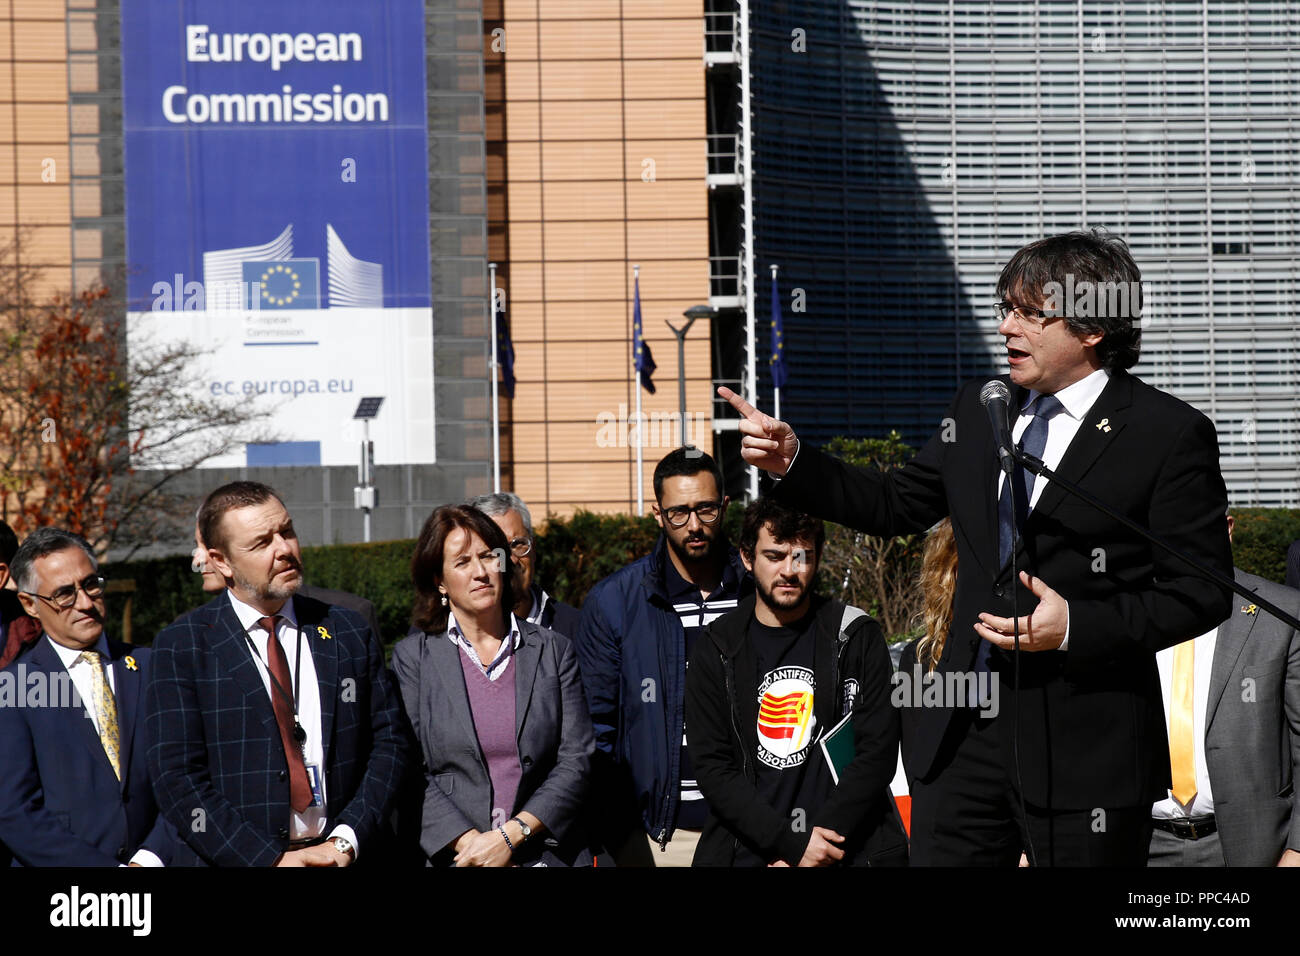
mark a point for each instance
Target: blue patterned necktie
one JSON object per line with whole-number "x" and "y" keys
{"x": 1032, "y": 442}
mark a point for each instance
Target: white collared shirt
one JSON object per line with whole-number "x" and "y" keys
{"x": 1202, "y": 664}
{"x": 1076, "y": 401}
{"x": 311, "y": 822}
{"x": 495, "y": 669}
{"x": 540, "y": 598}
{"x": 83, "y": 677}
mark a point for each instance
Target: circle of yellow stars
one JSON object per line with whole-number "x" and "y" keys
{"x": 293, "y": 276}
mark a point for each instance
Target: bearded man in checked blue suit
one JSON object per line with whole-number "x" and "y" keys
{"x": 275, "y": 735}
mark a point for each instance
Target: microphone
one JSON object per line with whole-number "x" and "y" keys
{"x": 994, "y": 396}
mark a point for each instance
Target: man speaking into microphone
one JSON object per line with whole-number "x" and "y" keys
{"x": 1081, "y": 747}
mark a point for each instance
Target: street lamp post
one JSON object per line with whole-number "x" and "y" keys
{"x": 693, "y": 313}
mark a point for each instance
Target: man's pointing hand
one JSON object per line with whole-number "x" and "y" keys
{"x": 766, "y": 442}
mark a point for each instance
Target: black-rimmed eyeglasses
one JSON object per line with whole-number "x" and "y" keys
{"x": 66, "y": 596}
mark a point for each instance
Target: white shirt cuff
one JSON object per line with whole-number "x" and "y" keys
{"x": 1065, "y": 642}
{"x": 345, "y": 831}
{"x": 146, "y": 858}
{"x": 776, "y": 477}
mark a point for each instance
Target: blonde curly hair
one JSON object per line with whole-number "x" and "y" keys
{"x": 938, "y": 581}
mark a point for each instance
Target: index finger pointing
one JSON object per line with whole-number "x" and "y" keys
{"x": 740, "y": 405}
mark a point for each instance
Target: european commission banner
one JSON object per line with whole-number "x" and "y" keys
{"x": 277, "y": 212}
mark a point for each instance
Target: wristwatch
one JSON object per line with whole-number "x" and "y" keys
{"x": 344, "y": 846}
{"x": 528, "y": 831}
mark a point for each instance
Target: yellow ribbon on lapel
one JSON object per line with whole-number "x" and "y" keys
{"x": 130, "y": 663}
{"x": 324, "y": 633}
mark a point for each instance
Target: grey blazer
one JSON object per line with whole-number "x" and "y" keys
{"x": 1252, "y": 728}
{"x": 553, "y": 733}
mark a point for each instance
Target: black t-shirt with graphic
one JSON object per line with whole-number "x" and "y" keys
{"x": 792, "y": 777}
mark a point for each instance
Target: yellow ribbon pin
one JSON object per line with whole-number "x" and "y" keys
{"x": 1249, "y": 608}
{"x": 130, "y": 663}
{"x": 324, "y": 633}
{"x": 1103, "y": 425}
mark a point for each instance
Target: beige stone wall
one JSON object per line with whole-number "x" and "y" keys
{"x": 592, "y": 89}
{"x": 34, "y": 156}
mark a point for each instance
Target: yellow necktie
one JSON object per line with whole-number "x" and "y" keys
{"x": 106, "y": 708}
{"x": 1182, "y": 722}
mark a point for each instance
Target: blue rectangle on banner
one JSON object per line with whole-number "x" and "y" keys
{"x": 276, "y": 454}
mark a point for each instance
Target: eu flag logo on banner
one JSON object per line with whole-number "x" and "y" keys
{"x": 282, "y": 284}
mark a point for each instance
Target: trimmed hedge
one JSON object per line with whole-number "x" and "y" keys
{"x": 573, "y": 554}
{"x": 1260, "y": 538}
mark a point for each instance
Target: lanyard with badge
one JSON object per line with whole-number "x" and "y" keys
{"x": 299, "y": 733}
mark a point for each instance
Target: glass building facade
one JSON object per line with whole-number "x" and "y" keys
{"x": 904, "y": 150}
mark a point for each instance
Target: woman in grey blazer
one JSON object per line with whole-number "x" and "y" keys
{"x": 497, "y": 706}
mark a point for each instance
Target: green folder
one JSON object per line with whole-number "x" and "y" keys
{"x": 837, "y": 746}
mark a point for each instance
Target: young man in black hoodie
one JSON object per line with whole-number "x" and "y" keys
{"x": 765, "y": 683}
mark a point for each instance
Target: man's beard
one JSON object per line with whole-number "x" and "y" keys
{"x": 781, "y": 603}
{"x": 269, "y": 590}
{"x": 686, "y": 557}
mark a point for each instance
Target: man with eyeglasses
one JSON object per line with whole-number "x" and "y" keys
{"x": 638, "y": 628}
{"x": 74, "y": 781}
{"x": 1068, "y": 767}
{"x": 511, "y": 516}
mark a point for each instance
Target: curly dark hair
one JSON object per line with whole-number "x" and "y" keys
{"x": 784, "y": 524}
{"x": 1097, "y": 262}
{"x": 429, "y": 613}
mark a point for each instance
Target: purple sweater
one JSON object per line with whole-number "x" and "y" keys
{"x": 493, "y": 705}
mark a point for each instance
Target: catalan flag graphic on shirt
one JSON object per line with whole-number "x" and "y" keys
{"x": 785, "y": 716}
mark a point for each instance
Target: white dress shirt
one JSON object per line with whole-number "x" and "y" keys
{"x": 1076, "y": 401}
{"x": 311, "y": 822}
{"x": 1203, "y": 662}
{"x": 83, "y": 678}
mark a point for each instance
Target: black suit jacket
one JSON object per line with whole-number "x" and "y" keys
{"x": 1092, "y": 730}
{"x": 215, "y": 752}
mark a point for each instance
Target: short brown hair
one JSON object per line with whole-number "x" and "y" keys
{"x": 429, "y": 613}
{"x": 236, "y": 494}
{"x": 784, "y": 524}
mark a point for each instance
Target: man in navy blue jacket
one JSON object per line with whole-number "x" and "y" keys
{"x": 638, "y": 627}
{"x": 74, "y": 785}
{"x": 275, "y": 733}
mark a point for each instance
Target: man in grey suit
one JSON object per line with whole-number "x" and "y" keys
{"x": 1240, "y": 719}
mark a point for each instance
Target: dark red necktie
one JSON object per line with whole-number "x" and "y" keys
{"x": 278, "y": 665}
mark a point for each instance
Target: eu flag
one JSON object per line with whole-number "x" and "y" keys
{"x": 643, "y": 360}
{"x": 282, "y": 284}
{"x": 778, "y": 339}
{"x": 505, "y": 354}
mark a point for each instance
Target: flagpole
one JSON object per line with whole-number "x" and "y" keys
{"x": 640, "y": 470}
{"x": 496, "y": 405}
{"x": 776, "y": 389}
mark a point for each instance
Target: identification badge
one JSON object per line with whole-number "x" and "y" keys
{"x": 313, "y": 778}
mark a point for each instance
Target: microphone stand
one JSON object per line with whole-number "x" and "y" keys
{"x": 1038, "y": 468}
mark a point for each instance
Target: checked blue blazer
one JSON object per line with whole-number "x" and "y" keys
{"x": 215, "y": 754}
